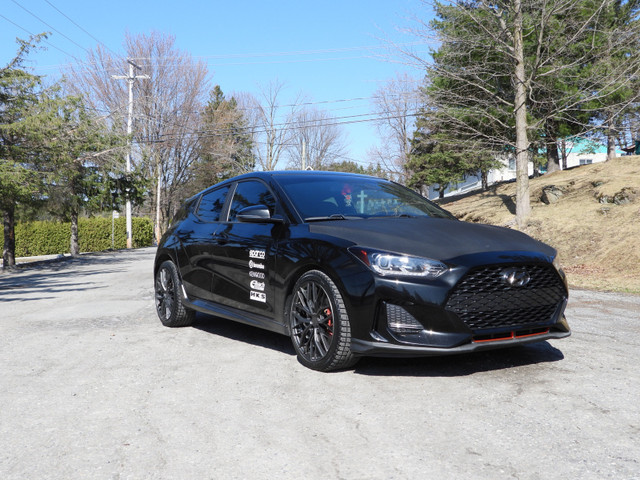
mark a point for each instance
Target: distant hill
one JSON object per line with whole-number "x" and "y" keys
{"x": 592, "y": 217}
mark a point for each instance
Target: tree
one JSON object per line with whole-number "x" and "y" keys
{"x": 77, "y": 152}
{"x": 506, "y": 71}
{"x": 19, "y": 181}
{"x": 226, "y": 148}
{"x": 620, "y": 17}
{"x": 434, "y": 158}
{"x": 167, "y": 110}
{"x": 316, "y": 138}
{"x": 349, "y": 166}
{"x": 397, "y": 103}
{"x": 271, "y": 124}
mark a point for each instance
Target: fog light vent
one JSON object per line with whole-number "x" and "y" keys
{"x": 401, "y": 321}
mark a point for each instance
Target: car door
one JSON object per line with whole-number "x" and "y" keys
{"x": 199, "y": 241}
{"x": 246, "y": 261}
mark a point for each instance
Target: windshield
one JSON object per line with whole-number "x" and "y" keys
{"x": 319, "y": 197}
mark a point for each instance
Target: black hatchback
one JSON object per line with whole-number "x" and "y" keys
{"x": 350, "y": 265}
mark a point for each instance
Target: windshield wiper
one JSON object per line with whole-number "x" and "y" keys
{"x": 399, "y": 215}
{"x": 335, "y": 216}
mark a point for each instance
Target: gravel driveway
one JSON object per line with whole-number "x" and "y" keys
{"x": 92, "y": 386}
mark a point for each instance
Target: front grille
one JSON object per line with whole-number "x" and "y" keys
{"x": 483, "y": 300}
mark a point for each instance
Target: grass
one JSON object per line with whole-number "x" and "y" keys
{"x": 598, "y": 243}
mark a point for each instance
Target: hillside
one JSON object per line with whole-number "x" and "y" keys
{"x": 594, "y": 223}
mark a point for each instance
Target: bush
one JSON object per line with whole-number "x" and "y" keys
{"x": 94, "y": 235}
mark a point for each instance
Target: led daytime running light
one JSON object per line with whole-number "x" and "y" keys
{"x": 396, "y": 264}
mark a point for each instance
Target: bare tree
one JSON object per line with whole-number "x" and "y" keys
{"x": 271, "y": 123}
{"x": 316, "y": 140}
{"x": 167, "y": 109}
{"x": 397, "y": 103}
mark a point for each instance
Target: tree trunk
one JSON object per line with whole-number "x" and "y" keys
{"x": 611, "y": 143}
{"x": 553, "y": 159}
{"x": 441, "y": 191}
{"x": 158, "y": 229}
{"x": 9, "y": 249}
{"x": 484, "y": 179}
{"x": 563, "y": 153}
{"x": 74, "y": 246}
{"x": 523, "y": 202}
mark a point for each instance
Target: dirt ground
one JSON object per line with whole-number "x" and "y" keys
{"x": 92, "y": 386}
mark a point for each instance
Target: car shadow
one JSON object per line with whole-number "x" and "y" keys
{"x": 243, "y": 333}
{"x": 460, "y": 365}
{"x": 442, "y": 366}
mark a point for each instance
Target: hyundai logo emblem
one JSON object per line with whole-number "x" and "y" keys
{"x": 515, "y": 277}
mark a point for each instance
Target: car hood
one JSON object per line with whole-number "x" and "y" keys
{"x": 436, "y": 238}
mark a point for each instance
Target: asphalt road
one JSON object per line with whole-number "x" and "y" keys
{"x": 92, "y": 386}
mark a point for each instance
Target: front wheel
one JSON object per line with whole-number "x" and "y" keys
{"x": 170, "y": 309}
{"x": 319, "y": 323}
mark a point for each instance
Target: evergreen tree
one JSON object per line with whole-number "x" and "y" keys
{"x": 19, "y": 181}
{"x": 226, "y": 148}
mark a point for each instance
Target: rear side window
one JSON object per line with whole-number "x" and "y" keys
{"x": 211, "y": 204}
{"x": 251, "y": 193}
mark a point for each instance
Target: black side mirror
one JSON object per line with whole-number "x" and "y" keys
{"x": 257, "y": 214}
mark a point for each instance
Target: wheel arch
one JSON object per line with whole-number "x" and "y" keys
{"x": 295, "y": 274}
{"x": 162, "y": 256}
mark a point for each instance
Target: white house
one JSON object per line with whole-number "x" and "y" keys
{"x": 579, "y": 151}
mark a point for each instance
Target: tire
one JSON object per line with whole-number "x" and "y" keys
{"x": 171, "y": 311}
{"x": 319, "y": 323}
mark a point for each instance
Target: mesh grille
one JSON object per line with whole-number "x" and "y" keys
{"x": 484, "y": 301}
{"x": 401, "y": 321}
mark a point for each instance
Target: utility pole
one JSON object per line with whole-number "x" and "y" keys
{"x": 304, "y": 155}
{"x": 130, "y": 79}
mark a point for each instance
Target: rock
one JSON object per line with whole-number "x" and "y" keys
{"x": 551, "y": 194}
{"x": 624, "y": 196}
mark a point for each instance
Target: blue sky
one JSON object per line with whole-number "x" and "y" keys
{"x": 314, "y": 48}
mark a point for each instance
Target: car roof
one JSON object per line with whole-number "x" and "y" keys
{"x": 267, "y": 175}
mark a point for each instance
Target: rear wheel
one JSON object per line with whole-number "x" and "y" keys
{"x": 169, "y": 306}
{"x": 319, "y": 323}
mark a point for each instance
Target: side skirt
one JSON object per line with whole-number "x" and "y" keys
{"x": 237, "y": 315}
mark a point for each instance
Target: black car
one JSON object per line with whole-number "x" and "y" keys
{"x": 350, "y": 265}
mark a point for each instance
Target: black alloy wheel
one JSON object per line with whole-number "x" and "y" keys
{"x": 170, "y": 309}
{"x": 319, "y": 324}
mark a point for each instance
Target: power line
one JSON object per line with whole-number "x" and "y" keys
{"x": 33, "y": 35}
{"x": 85, "y": 31}
{"x": 291, "y": 126}
{"x": 160, "y": 63}
{"x": 294, "y": 53}
{"x": 51, "y": 27}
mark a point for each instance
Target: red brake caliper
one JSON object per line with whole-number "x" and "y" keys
{"x": 327, "y": 312}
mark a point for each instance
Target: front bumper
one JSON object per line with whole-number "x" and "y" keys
{"x": 384, "y": 348}
{"x": 470, "y": 310}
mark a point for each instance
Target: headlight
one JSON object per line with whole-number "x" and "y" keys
{"x": 396, "y": 264}
{"x": 556, "y": 264}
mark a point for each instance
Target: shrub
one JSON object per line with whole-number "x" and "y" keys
{"x": 94, "y": 235}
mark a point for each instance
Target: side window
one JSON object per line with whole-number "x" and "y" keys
{"x": 251, "y": 193}
{"x": 211, "y": 204}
